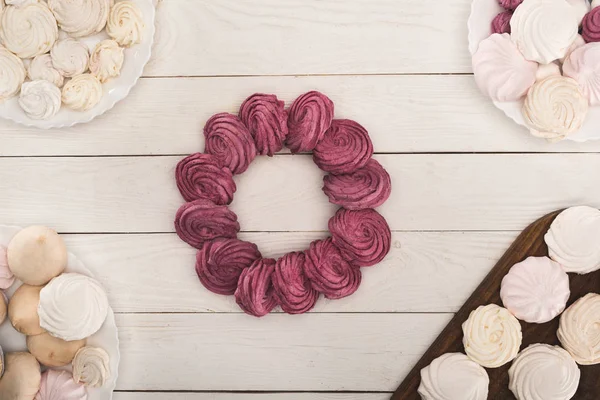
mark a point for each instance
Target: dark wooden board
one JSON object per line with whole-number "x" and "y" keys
{"x": 529, "y": 243}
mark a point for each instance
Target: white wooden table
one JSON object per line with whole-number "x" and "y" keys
{"x": 466, "y": 180}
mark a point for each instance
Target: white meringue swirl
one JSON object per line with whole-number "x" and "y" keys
{"x": 543, "y": 30}
{"x": 574, "y": 239}
{"x": 106, "y": 60}
{"x": 82, "y": 92}
{"x": 454, "y": 376}
{"x": 41, "y": 68}
{"x": 491, "y": 336}
{"x": 12, "y": 74}
{"x": 535, "y": 290}
{"x": 555, "y": 108}
{"x": 70, "y": 57}
{"x": 579, "y": 330}
{"x": 40, "y": 99}
{"x": 125, "y": 23}
{"x": 543, "y": 372}
{"x": 6, "y": 276}
{"x": 28, "y": 31}
{"x": 91, "y": 366}
{"x": 81, "y": 17}
{"x": 583, "y": 65}
{"x": 72, "y": 307}
{"x": 501, "y": 71}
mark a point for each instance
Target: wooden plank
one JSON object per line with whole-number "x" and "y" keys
{"x": 431, "y": 192}
{"x": 424, "y": 272}
{"x": 315, "y": 352}
{"x": 248, "y": 396}
{"x": 270, "y": 37}
{"x": 403, "y": 114}
{"x": 529, "y": 243}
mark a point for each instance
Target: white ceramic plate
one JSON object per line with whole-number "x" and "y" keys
{"x": 115, "y": 89}
{"x": 106, "y": 338}
{"x": 480, "y": 21}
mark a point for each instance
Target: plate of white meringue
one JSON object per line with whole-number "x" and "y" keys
{"x": 59, "y": 339}
{"x": 531, "y": 60}
{"x": 64, "y": 62}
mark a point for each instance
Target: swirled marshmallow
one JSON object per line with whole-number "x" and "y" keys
{"x": 543, "y": 372}
{"x": 554, "y": 108}
{"x": 501, "y": 71}
{"x": 266, "y": 118}
{"x": 202, "y": 220}
{"x": 535, "y": 290}
{"x": 72, "y": 307}
{"x": 454, "y": 376}
{"x": 292, "y": 287}
{"x": 590, "y": 26}
{"x": 40, "y": 99}
{"x": 583, "y": 65}
{"x": 543, "y": 30}
{"x": 255, "y": 293}
{"x": 501, "y": 22}
{"x": 70, "y": 57}
{"x": 309, "y": 117}
{"x": 228, "y": 139}
{"x": 91, "y": 366}
{"x": 82, "y": 92}
{"x": 574, "y": 239}
{"x": 7, "y": 278}
{"x": 59, "y": 385}
{"x": 41, "y": 68}
{"x": 106, "y": 60}
{"x": 201, "y": 176}
{"x": 491, "y": 336}
{"x": 345, "y": 147}
{"x": 125, "y": 23}
{"x": 579, "y": 330}
{"x": 81, "y": 17}
{"x": 12, "y": 74}
{"x": 28, "y": 31}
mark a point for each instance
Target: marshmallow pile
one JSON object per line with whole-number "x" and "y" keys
{"x": 544, "y": 53}
{"x": 360, "y": 236}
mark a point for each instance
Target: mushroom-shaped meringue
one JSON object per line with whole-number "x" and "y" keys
{"x": 41, "y": 68}
{"x": 91, "y": 366}
{"x": 7, "y": 278}
{"x": 51, "y": 351}
{"x": 82, "y": 92}
{"x": 22, "y": 377}
{"x": 12, "y": 74}
{"x": 125, "y": 23}
{"x": 583, "y": 65}
{"x": 554, "y": 108}
{"x": 579, "y": 329}
{"x": 81, "y": 17}
{"x": 40, "y": 99}
{"x": 3, "y": 307}
{"x": 70, "y": 57}
{"x": 28, "y": 31}
{"x": 501, "y": 71}
{"x": 73, "y": 307}
{"x": 23, "y": 310}
{"x": 60, "y": 385}
{"x": 37, "y": 254}
{"x": 106, "y": 60}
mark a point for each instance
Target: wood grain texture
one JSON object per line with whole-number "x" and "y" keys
{"x": 424, "y": 272}
{"x": 248, "y": 396}
{"x": 431, "y": 192}
{"x": 232, "y": 352}
{"x": 403, "y": 114}
{"x": 529, "y": 243}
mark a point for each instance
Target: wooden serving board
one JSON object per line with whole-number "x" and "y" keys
{"x": 529, "y": 243}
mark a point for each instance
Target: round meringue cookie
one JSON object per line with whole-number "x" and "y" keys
{"x": 28, "y": 31}
{"x": 574, "y": 239}
{"x": 535, "y": 290}
{"x": 266, "y": 118}
{"x": 292, "y": 287}
{"x": 7, "y": 278}
{"x": 583, "y": 65}
{"x": 60, "y": 385}
{"x": 72, "y": 307}
{"x": 23, "y": 310}
{"x": 309, "y": 117}
{"x": 91, "y": 366}
{"x": 579, "y": 330}
{"x": 543, "y": 30}
{"x": 82, "y": 93}
{"x": 41, "y": 68}
{"x": 590, "y": 26}
{"x": 106, "y": 60}
{"x": 70, "y": 57}
{"x": 202, "y": 220}
{"x": 40, "y": 99}
{"x": 201, "y": 176}
{"x": 453, "y": 376}
{"x": 501, "y": 71}
{"x": 81, "y": 17}
{"x": 543, "y": 372}
{"x": 554, "y": 108}
{"x": 12, "y": 74}
{"x": 255, "y": 293}
{"x": 492, "y": 336}
{"x": 125, "y": 23}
